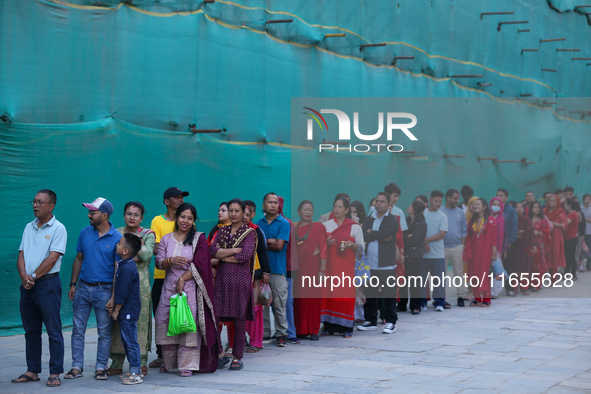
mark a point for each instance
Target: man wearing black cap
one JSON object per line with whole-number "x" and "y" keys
{"x": 162, "y": 225}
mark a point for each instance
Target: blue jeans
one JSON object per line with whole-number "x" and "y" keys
{"x": 436, "y": 267}
{"x": 128, "y": 329}
{"x": 41, "y": 304}
{"x": 291, "y": 330}
{"x": 87, "y": 298}
{"x": 588, "y": 242}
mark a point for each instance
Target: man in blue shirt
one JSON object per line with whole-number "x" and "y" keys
{"x": 94, "y": 266}
{"x": 510, "y": 216}
{"x": 39, "y": 261}
{"x": 276, "y": 229}
{"x": 454, "y": 239}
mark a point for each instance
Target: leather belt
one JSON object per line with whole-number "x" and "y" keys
{"x": 96, "y": 284}
{"x": 45, "y": 277}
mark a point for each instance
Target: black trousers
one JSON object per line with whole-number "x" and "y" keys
{"x": 370, "y": 309}
{"x": 412, "y": 267}
{"x": 156, "y": 293}
{"x": 570, "y": 254}
{"x": 41, "y": 305}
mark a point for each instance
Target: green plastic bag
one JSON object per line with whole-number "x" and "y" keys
{"x": 181, "y": 319}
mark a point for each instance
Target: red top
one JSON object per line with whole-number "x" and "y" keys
{"x": 571, "y": 230}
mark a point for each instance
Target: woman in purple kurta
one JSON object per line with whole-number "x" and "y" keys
{"x": 184, "y": 254}
{"x": 234, "y": 246}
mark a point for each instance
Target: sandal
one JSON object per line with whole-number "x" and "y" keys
{"x": 475, "y": 303}
{"x": 526, "y": 292}
{"x": 156, "y": 363}
{"x": 113, "y": 372}
{"x": 485, "y": 304}
{"x": 236, "y": 365}
{"x": 447, "y": 305}
{"x": 185, "y": 373}
{"x": 133, "y": 379}
{"x": 72, "y": 375}
{"x": 162, "y": 369}
{"x": 26, "y": 378}
{"x": 415, "y": 311}
{"x": 50, "y": 382}
{"x": 326, "y": 333}
{"x": 228, "y": 352}
{"x": 252, "y": 349}
{"x": 100, "y": 375}
{"x": 222, "y": 362}
{"x": 347, "y": 335}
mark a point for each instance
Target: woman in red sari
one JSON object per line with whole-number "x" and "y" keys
{"x": 518, "y": 256}
{"x": 310, "y": 241}
{"x": 557, "y": 217}
{"x": 543, "y": 240}
{"x": 345, "y": 240}
{"x": 480, "y": 250}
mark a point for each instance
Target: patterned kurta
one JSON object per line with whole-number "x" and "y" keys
{"x": 233, "y": 294}
{"x": 144, "y": 324}
{"x": 170, "y": 247}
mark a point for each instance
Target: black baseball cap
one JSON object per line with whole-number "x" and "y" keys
{"x": 174, "y": 191}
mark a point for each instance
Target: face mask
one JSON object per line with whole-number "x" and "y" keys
{"x": 495, "y": 208}
{"x": 372, "y": 209}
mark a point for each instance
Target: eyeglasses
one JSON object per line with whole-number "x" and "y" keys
{"x": 37, "y": 203}
{"x": 133, "y": 215}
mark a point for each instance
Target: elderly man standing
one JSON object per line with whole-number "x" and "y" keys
{"x": 39, "y": 260}
{"x": 94, "y": 270}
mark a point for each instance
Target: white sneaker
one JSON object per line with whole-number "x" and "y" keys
{"x": 367, "y": 326}
{"x": 389, "y": 329}
{"x": 439, "y": 308}
{"x": 424, "y": 308}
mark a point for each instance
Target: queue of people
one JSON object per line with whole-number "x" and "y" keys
{"x": 222, "y": 273}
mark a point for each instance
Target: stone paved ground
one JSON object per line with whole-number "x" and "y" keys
{"x": 522, "y": 345}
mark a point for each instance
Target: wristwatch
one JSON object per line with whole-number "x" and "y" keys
{"x": 34, "y": 276}
{"x": 73, "y": 284}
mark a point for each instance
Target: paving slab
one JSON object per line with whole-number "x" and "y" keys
{"x": 519, "y": 345}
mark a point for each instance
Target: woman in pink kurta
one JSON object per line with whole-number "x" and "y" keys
{"x": 480, "y": 251}
{"x": 557, "y": 217}
{"x": 184, "y": 255}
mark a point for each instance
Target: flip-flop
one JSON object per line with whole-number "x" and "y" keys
{"x": 27, "y": 379}
{"x": 51, "y": 380}
{"x": 252, "y": 349}
{"x": 185, "y": 373}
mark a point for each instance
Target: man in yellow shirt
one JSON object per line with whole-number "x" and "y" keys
{"x": 162, "y": 225}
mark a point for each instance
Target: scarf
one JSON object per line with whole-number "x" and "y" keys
{"x": 469, "y": 213}
{"x": 227, "y": 241}
{"x": 553, "y": 215}
{"x": 342, "y": 233}
{"x": 500, "y": 223}
{"x": 527, "y": 237}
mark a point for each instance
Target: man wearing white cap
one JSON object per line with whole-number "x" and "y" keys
{"x": 93, "y": 271}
